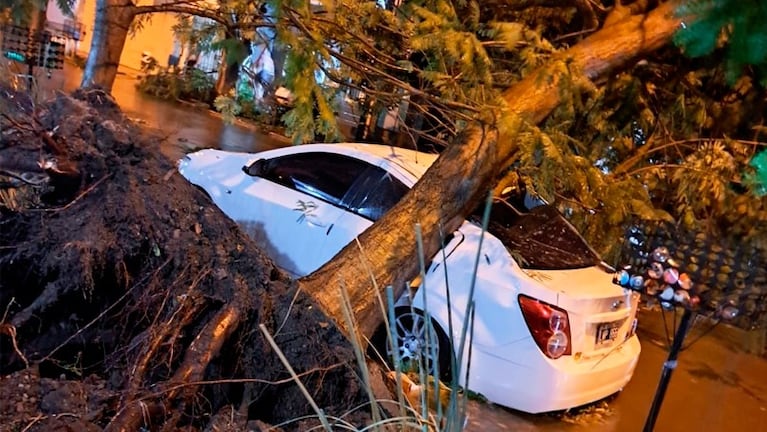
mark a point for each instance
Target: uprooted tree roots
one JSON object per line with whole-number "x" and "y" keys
{"x": 121, "y": 280}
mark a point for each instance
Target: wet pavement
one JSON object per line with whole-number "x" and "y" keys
{"x": 717, "y": 386}
{"x": 183, "y": 126}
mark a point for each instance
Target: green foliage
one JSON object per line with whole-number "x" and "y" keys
{"x": 227, "y": 106}
{"x": 639, "y": 148}
{"x": 605, "y": 156}
{"x": 668, "y": 139}
{"x": 459, "y": 67}
{"x": 308, "y": 98}
{"x": 234, "y": 50}
{"x": 757, "y": 180}
{"x": 193, "y": 85}
{"x": 736, "y": 26}
{"x": 709, "y": 167}
{"x": 441, "y": 51}
{"x": 510, "y": 34}
{"x": 201, "y": 34}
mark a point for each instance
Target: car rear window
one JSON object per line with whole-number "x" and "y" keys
{"x": 539, "y": 238}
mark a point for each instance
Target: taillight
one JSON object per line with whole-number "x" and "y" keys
{"x": 549, "y": 326}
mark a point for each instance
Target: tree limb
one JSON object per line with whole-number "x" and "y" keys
{"x": 199, "y": 9}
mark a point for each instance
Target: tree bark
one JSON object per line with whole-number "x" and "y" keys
{"x": 227, "y": 77}
{"x": 113, "y": 21}
{"x": 39, "y": 19}
{"x": 465, "y": 172}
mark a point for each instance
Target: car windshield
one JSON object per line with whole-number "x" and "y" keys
{"x": 538, "y": 238}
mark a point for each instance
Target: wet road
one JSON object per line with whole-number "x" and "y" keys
{"x": 184, "y": 127}
{"x": 716, "y": 387}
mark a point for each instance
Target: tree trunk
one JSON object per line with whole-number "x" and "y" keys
{"x": 465, "y": 172}
{"x": 113, "y": 21}
{"x": 227, "y": 76}
{"x": 39, "y": 19}
{"x": 279, "y": 53}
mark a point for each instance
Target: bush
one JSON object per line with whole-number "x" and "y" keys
{"x": 192, "y": 85}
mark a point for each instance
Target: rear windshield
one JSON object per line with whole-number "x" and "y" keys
{"x": 538, "y": 238}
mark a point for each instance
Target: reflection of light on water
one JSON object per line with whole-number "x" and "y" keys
{"x": 233, "y": 139}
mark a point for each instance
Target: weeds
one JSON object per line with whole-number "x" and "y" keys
{"x": 423, "y": 403}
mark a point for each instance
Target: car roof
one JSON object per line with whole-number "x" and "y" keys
{"x": 415, "y": 163}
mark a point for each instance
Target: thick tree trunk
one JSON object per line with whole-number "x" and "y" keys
{"x": 279, "y": 53}
{"x": 465, "y": 172}
{"x": 227, "y": 77}
{"x": 39, "y": 19}
{"x": 113, "y": 21}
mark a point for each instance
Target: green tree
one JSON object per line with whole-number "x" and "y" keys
{"x": 736, "y": 27}
{"x": 116, "y": 18}
{"x": 620, "y": 140}
{"x": 469, "y": 167}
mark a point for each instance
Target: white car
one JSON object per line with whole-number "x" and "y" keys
{"x": 551, "y": 331}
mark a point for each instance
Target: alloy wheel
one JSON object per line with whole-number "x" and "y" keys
{"x": 416, "y": 342}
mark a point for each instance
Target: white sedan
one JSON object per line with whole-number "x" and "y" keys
{"x": 551, "y": 331}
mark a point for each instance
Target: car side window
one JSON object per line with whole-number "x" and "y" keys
{"x": 327, "y": 176}
{"x": 374, "y": 193}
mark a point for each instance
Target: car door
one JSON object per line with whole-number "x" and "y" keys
{"x": 294, "y": 205}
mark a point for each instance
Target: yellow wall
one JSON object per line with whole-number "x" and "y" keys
{"x": 156, "y": 37}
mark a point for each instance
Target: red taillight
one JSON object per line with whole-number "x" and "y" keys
{"x": 549, "y": 326}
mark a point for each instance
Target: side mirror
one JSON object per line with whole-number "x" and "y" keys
{"x": 257, "y": 168}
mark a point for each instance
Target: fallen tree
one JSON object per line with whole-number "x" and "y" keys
{"x": 462, "y": 175}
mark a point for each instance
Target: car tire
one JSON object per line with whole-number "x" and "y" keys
{"x": 411, "y": 329}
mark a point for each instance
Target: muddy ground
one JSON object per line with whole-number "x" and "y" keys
{"x": 129, "y": 301}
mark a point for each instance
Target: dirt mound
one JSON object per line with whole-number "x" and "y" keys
{"x": 113, "y": 267}
{"x": 46, "y": 404}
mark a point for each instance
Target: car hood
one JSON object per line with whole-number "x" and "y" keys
{"x": 208, "y": 158}
{"x": 221, "y": 166}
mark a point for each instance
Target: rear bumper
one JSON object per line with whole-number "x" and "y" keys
{"x": 550, "y": 385}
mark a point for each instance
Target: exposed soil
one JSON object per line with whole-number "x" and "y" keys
{"x": 128, "y": 300}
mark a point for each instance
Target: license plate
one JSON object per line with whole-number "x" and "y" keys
{"x": 607, "y": 333}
